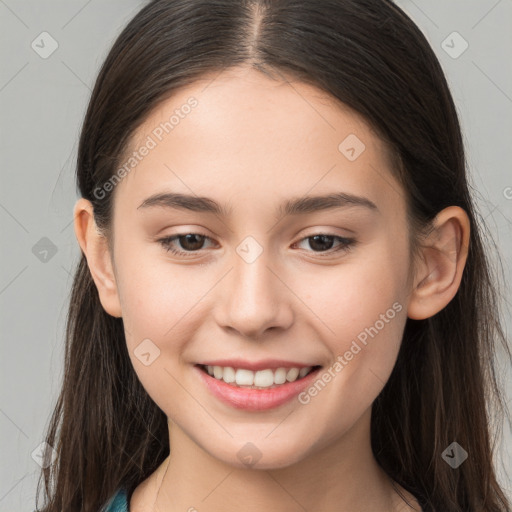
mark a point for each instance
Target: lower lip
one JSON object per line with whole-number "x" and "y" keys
{"x": 255, "y": 399}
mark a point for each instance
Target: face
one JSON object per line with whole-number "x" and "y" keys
{"x": 320, "y": 284}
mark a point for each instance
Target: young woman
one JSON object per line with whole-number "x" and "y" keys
{"x": 284, "y": 300}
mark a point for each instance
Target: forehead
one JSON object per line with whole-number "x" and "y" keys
{"x": 242, "y": 134}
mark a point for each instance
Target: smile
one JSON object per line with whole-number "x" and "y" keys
{"x": 255, "y": 390}
{"x": 262, "y": 379}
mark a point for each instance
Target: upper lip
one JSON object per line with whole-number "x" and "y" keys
{"x": 256, "y": 365}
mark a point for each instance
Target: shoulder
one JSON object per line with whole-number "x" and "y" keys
{"x": 118, "y": 502}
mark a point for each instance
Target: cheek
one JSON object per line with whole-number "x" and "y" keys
{"x": 158, "y": 312}
{"x": 351, "y": 296}
{"x": 368, "y": 326}
{"x": 362, "y": 309}
{"x": 157, "y": 297}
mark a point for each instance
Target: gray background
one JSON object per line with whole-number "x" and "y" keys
{"x": 43, "y": 102}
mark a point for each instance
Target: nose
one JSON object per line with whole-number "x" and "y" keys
{"x": 253, "y": 299}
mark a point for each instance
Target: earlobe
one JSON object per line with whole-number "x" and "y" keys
{"x": 443, "y": 257}
{"x": 95, "y": 248}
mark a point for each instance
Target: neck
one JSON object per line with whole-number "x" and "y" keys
{"x": 344, "y": 476}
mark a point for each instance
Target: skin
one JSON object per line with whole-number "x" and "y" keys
{"x": 250, "y": 144}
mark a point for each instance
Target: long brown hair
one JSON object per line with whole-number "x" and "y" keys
{"x": 368, "y": 54}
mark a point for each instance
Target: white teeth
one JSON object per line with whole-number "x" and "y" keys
{"x": 280, "y": 376}
{"x": 303, "y": 372}
{"x": 292, "y": 374}
{"x": 260, "y": 379}
{"x": 264, "y": 378}
{"x": 228, "y": 375}
{"x": 244, "y": 377}
{"x": 217, "y": 372}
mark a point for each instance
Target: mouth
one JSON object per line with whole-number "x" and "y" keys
{"x": 256, "y": 390}
{"x": 262, "y": 379}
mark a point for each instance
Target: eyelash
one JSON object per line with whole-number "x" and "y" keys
{"x": 345, "y": 245}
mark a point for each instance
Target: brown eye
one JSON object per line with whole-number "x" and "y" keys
{"x": 323, "y": 243}
{"x": 189, "y": 242}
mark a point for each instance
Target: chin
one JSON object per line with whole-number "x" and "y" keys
{"x": 253, "y": 455}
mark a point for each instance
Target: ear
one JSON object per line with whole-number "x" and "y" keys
{"x": 95, "y": 248}
{"x": 442, "y": 260}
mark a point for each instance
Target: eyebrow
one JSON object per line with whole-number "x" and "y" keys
{"x": 294, "y": 206}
